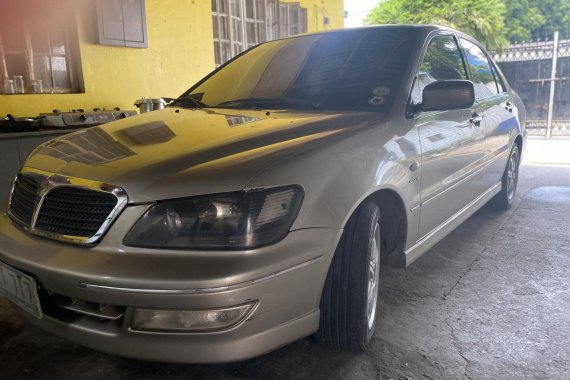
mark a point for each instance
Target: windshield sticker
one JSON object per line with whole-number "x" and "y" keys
{"x": 376, "y": 101}
{"x": 381, "y": 91}
{"x": 234, "y": 121}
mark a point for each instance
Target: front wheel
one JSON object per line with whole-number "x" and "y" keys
{"x": 506, "y": 197}
{"x": 350, "y": 295}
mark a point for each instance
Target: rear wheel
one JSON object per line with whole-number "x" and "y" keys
{"x": 350, "y": 295}
{"x": 506, "y": 197}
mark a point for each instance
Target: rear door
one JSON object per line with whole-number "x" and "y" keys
{"x": 493, "y": 103}
{"x": 452, "y": 142}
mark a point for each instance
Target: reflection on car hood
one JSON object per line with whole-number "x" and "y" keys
{"x": 180, "y": 152}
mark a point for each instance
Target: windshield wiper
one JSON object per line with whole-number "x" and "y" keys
{"x": 267, "y": 102}
{"x": 188, "y": 101}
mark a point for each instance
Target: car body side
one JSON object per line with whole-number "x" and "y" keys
{"x": 378, "y": 159}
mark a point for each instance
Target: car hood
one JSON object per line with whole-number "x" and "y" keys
{"x": 179, "y": 152}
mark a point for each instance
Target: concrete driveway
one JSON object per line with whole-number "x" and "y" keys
{"x": 492, "y": 300}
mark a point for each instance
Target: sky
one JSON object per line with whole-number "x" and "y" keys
{"x": 357, "y": 10}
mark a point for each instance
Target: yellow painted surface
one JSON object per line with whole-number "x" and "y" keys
{"x": 180, "y": 52}
{"x": 318, "y": 9}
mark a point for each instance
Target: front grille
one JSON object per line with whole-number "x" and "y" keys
{"x": 65, "y": 208}
{"x": 24, "y": 198}
{"x": 74, "y": 211}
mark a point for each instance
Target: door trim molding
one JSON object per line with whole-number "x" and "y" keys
{"x": 466, "y": 178}
{"x": 438, "y": 233}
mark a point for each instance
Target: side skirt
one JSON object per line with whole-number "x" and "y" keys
{"x": 449, "y": 225}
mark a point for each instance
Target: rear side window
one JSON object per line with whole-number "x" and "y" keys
{"x": 500, "y": 85}
{"x": 481, "y": 71}
{"x": 441, "y": 61}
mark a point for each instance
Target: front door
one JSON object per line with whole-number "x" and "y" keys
{"x": 494, "y": 103}
{"x": 452, "y": 142}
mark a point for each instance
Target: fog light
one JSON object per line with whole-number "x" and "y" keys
{"x": 190, "y": 320}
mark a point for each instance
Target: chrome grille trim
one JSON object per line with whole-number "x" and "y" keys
{"x": 48, "y": 182}
{"x": 23, "y": 184}
{"x": 93, "y": 309}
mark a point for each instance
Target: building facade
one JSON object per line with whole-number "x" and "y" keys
{"x": 108, "y": 53}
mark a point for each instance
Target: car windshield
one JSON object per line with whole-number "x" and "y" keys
{"x": 359, "y": 69}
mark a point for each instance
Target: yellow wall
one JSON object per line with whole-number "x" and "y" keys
{"x": 180, "y": 52}
{"x": 318, "y": 9}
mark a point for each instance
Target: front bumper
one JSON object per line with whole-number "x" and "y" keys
{"x": 285, "y": 280}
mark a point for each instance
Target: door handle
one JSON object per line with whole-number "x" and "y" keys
{"x": 476, "y": 119}
{"x": 509, "y": 106}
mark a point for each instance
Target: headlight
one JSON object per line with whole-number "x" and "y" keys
{"x": 238, "y": 220}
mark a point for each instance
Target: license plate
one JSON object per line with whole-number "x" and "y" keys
{"x": 21, "y": 289}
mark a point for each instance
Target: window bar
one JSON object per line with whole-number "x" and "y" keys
{"x": 219, "y": 25}
{"x": 231, "y": 28}
{"x": 29, "y": 54}
{"x": 3, "y": 65}
{"x": 254, "y": 23}
{"x": 52, "y": 77}
{"x": 74, "y": 83}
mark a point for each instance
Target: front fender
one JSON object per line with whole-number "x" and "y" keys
{"x": 339, "y": 175}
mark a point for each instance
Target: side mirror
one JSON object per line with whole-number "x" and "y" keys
{"x": 448, "y": 95}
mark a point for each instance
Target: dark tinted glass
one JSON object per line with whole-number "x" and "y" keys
{"x": 442, "y": 61}
{"x": 481, "y": 72}
{"x": 360, "y": 69}
{"x": 498, "y": 79}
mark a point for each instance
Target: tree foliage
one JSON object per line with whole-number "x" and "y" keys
{"x": 522, "y": 18}
{"x": 494, "y": 22}
{"x": 483, "y": 19}
{"x": 555, "y": 16}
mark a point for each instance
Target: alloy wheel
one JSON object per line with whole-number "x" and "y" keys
{"x": 373, "y": 277}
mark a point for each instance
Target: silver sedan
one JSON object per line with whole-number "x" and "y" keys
{"x": 258, "y": 207}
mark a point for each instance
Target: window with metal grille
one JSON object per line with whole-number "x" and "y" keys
{"x": 38, "y": 54}
{"x": 242, "y": 24}
{"x": 292, "y": 19}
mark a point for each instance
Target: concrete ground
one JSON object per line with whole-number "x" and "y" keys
{"x": 492, "y": 300}
{"x": 554, "y": 151}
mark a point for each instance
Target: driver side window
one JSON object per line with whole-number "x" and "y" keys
{"x": 442, "y": 61}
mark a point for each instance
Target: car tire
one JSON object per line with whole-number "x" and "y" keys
{"x": 506, "y": 197}
{"x": 350, "y": 295}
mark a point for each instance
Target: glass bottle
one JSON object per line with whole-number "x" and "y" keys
{"x": 37, "y": 86}
{"x": 9, "y": 86}
{"x": 19, "y": 84}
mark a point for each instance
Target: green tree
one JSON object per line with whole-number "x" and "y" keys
{"x": 523, "y": 16}
{"x": 532, "y": 19}
{"x": 483, "y": 19}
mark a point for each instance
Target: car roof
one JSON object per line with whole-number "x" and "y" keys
{"x": 424, "y": 27}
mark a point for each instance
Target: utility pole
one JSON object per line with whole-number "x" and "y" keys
{"x": 552, "y": 85}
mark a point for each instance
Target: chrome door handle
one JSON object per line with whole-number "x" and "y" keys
{"x": 509, "y": 106}
{"x": 476, "y": 119}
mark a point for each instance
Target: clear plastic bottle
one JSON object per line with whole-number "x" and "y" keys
{"x": 19, "y": 84}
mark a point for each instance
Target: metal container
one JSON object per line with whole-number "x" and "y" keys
{"x": 10, "y": 123}
{"x": 84, "y": 119}
{"x": 147, "y": 105}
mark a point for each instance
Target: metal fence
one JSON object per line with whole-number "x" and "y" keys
{"x": 540, "y": 73}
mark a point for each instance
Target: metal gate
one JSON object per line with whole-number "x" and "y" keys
{"x": 540, "y": 73}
